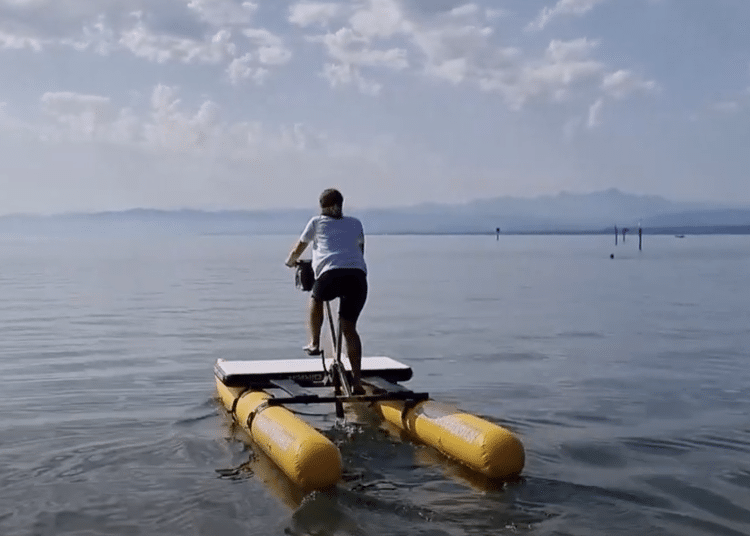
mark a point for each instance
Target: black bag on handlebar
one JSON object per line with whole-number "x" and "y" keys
{"x": 304, "y": 276}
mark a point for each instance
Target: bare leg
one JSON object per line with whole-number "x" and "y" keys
{"x": 314, "y": 323}
{"x": 353, "y": 349}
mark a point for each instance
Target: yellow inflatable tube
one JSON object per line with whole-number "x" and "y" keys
{"x": 305, "y": 455}
{"x": 479, "y": 444}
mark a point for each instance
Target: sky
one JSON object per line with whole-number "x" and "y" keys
{"x": 232, "y": 104}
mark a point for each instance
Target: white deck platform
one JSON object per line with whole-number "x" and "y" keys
{"x": 307, "y": 371}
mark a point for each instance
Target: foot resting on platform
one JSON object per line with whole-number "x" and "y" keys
{"x": 312, "y": 350}
{"x": 358, "y": 390}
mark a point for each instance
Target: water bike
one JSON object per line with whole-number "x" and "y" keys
{"x": 258, "y": 395}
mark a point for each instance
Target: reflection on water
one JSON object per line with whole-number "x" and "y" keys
{"x": 626, "y": 380}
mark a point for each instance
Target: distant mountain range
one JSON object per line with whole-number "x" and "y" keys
{"x": 564, "y": 213}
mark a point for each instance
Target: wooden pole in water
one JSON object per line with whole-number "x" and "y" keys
{"x": 640, "y": 238}
{"x": 615, "y": 235}
{"x": 497, "y": 234}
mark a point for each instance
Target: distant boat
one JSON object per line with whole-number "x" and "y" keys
{"x": 679, "y": 236}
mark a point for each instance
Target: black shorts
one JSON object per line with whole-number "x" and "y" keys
{"x": 349, "y": 284}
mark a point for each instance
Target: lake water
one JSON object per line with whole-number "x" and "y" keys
{"x": 626, "y": 379}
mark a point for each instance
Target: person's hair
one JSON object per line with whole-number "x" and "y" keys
{"x": 331, "y": 198}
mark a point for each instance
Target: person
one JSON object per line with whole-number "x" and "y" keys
{"x": 338, "y": 247}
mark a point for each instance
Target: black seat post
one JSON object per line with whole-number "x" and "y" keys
{"x": 340, "y": 380}
{"x": 334, "y": 335}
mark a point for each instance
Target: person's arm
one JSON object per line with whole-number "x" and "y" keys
{"x": 294, "y": 255}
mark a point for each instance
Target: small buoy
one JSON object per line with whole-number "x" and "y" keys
{"x": 611, "y": 255}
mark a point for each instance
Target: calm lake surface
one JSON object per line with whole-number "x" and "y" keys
{"x": 626, "y": 379}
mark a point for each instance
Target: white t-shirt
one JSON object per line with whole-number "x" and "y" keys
{"x": 336, "y": 243}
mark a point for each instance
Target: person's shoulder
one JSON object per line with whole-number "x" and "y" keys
{"x": 312, "y": 224}
{"x": 353, "y": 222}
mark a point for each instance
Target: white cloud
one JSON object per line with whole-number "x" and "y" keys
{"x": 302, "y": 138}
{"x": 465, "y": 10}
{"x": 451, "y": 42}
{"x": 125, "y": 129}
{"x": 622, "y": 83}
{"x": 305, "y": 14}
{"x": 448, "y": 45}
{"x": 262, "y": 37}
{"x": 273, "y": 55}
{"x": 81, "y": 115}
{"x": 173, "y": 154}
{"x": 123, "y": 29}
{"x": 732, "y": 102}
{"x": 27, "y": 4}
{"x": 271, "y": 49}
{"x": 161, "y": 48}
{"x": 562, "y": 8}
{"x": 492, "y": 13}
{"x": 462, "y": 52}
{"x": 267, "y": 49}
{"x": 76, "y": 117}
{"x": 460, "y": 47}
{"x": 350, "y": 48}
{"x": 243, "y": 68}
{"x": 455, "y": 70}
{"x": 168, "y": 126}
{"x": 595, "y": 112}
{"x": 351, "y": 52}
{"x": 171, "y": 128}
{"x": 66, "y": 102}
{"x": 565, "y": 65}
{"x": 52, "y": 21}
{"x": 727, "y": 106}
{"x": 15, "y": 41}
{"x": 164, "y": 99}
{"x": 339, "y": 74}
{"x": 223, "y": 12}
{"x": 382, "y": 18}
{"x": 97, "y": 36}
{"x": 576, "y": 49}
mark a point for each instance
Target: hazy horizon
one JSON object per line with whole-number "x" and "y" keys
{"x": 704, "y": 205}
{"x": 564, "y": 213}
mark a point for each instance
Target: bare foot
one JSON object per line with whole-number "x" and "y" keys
{"x": 312, "y": 350}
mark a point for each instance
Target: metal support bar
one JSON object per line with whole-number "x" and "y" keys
{"x": 340, "y": 381}
{"x": 291, "y": 387}
{"x": 382, "y": 384}
{"x": 314, "y": 399}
